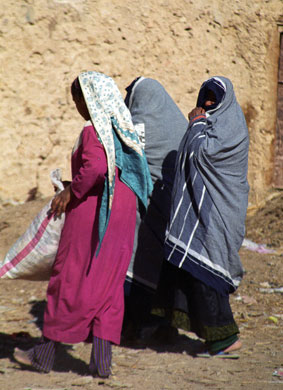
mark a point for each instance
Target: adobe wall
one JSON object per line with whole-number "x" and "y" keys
{"x": 45, "y": 44}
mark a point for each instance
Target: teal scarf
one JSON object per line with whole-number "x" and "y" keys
{"x": 114, "y": 127}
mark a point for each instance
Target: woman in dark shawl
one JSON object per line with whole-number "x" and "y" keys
{"x": 208, "y": 210}
{"x": 160, "y": 125}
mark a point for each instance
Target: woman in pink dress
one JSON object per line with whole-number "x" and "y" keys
{"x": 85, "y": 297}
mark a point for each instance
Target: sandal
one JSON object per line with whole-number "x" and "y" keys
{"x": 221, "y": 355}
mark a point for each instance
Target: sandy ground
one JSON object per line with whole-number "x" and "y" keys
{"x": 257, "y": 306}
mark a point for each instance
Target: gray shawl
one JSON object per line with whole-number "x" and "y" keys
{"x": 210, "y": 196}
{"x": 161, "y": 126}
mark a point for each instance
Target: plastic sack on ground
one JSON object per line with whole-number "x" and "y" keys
{"x": 33, "y": 254}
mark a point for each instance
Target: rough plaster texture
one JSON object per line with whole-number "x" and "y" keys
{"x": 44, "y": 44}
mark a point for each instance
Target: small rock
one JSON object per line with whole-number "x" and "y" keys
{"x": 119, "y": 385}
{"x": 265, "y": 284}
{"x": 32, "y": 299}
{"x": 82, "y": 381}
{"x": 248, "y": 300}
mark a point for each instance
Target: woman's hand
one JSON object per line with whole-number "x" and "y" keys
{"x": 60, "y": 201}
{"x": 196, "y": 111}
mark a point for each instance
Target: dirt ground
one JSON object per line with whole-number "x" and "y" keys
{"x": 257, "y": 306}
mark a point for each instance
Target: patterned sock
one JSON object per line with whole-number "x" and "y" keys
{"x": 42, "y": 356}
{"x": 92, "y": 364}
{"x": 101, "y": 356}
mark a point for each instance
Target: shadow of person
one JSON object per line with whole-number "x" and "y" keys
{"x": 64, "y": 360}
{"x": 166, "y": 339}
{"x": 8, "y": 342}
{"x": 182, "y": 343}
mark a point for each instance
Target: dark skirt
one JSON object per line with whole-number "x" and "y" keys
{"x": 192, "y": 305}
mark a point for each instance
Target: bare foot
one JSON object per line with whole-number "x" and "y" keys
{"x": 234, "y": 347}
{"x": 22, "y": 357}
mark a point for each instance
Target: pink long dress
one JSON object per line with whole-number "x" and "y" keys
{"x": 85, "y": 294}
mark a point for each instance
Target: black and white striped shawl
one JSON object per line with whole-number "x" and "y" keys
{"x": 210, "y": 196}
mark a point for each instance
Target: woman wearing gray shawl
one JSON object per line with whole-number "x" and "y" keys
{"x": 207, "y": 219}
{"x": 160, "y": 126}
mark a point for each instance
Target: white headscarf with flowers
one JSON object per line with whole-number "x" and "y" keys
{"x": 104, "y": 101}
{"x": 107, "y": 111}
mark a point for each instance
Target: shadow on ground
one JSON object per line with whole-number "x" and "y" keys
{"x": 160, "y": 338}
{"x": 64, "y": 361}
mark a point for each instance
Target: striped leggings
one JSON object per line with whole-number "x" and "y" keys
{"x": 42, "y": 356}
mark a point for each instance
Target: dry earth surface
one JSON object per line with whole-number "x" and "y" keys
{"x": 155, "y": 365}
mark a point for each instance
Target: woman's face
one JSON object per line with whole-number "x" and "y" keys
{"x": 210, "y": 98}
{"x": 81, "y": 107}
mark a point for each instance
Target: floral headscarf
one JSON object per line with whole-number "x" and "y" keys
{"x": 108, "y": 111}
